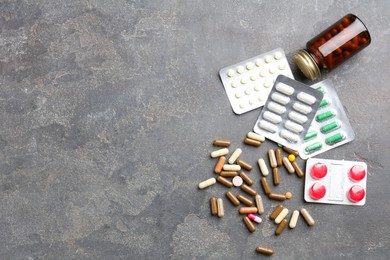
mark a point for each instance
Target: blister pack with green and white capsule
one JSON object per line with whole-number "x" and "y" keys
{"x": 330, "y": 127}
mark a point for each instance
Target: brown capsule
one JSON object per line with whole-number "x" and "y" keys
{"x": 264, "y": 184}
{"x": 276, "y": 212}
{"x": 276, "y": 175}
{"x": 309, "y": 219}
{"x": 278, "y": 155}
{"x": 244, "y": 165}
{"x": 288, "y": 165}
{"x": 272, "y": 158}
{"x": 218, "y": 167}
{"x": 213, "y": 206}
{"x": 264, "y": 250}
{"x": 228, "y": 174}
{"x": 224, "y": 182}
{"x": 298, "y": 169}
{"x": 281, "y": 227}
{"x": 290, "y": 151}
{"x": 246, "y": 178}
{"x": 248, "y": 190}
{"x": 279, "y": 197}
{"x": 249, "y": 224}
{"x": 245, "y": 200}
{"x": 252, "y": 142}
{"x": 232, "y": 198}
{"x": 223, "y": 143}
{"x": 247, "y": 210}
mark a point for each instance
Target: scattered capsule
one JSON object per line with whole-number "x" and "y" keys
{"x": 294, "y": 219}
{"x": 246, "y": 178}
{"x": 232, "y": 198}
{"x": 224, "y": 143}
{"x": 276, "y": 176}
{"x": 218, "y": 166}
{"x": 263, "y": 167}
{"x": 249, "y": 224}
{"x": 297, "y": 169}
{"x": 264, "y": 250}
{"x": 259, "y": 204}
{"x": 235, "y": 155}
{"x": 281, "y": 216}
{"x": 248, "y": 190}
{"x": 278, "y": 154}
{"x": 306, "y": 98}
{"x": 213, "y": 206}
{"x": 221, "y": 211}
{"x": 279, "y": 197}
{"x": 313, "y": 147}
{"x": 335, "y": 138}
{"x": 272, "y": 158}
{"x": 244, "y": 165}
{"x": 220, "y": 152}
{"x": 281, "y": 227}
{"x": 288, "y": 165}
{"x": 276, "y": 212}
{"x": 256, "y": 137}
{"x": 290, "y": 151}
{"x": 264, "y": 184}
{"x": 247, "y": 210}
{"x": 252, "y": 142}
{"x": 228, "y": 174}
{"x": 325, "y": 116}
{"x": 207, "y": 183}
{"x": 245, "y": 200}
{"x": 231, "y": 167}
{"x": 255, "y": 218}
{"x": 330, "y": 127}
{"x": 224, "y": 182}
{"x": 309, "y": 219}
{"x": 288, "y": 195}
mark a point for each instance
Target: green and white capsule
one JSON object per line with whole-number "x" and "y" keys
{"x": 324, "y": 103}
{"x": 313, "y": 147}
{"x": 325, "y": 116}
{"x": 310, "y": 135}
{"x": 330, "y": 127}
{"x": 335, "y": 138}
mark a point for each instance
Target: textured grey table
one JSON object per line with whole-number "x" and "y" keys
{"x": 108, "y": 110}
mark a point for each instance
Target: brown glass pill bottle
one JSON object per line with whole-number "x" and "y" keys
{"x": 333, "y": 46}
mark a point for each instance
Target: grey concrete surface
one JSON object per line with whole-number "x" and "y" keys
{"x": 108, "y": 109}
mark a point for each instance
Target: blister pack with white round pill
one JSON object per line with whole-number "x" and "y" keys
{"x": 330, "y": 127}
{"x": 288, "y": 112}
{"x": 249, "y": 82}
{"x": 335, "y": 182}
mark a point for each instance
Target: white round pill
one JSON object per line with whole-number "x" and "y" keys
{"x": 263, "y": 74}
{"x": 234, "y": 84}
{"x": 272, "y": 70}
{"x": 242, "y": 104}
{"x": 244, "y": 81}
{"x": 278, "y": 55}
{"x": 237, "y": 181}
{"x": 259, "y": 63}
{"x": 230, "y": 73}
{"x": 267, "y": 84}
{"x": 257, "y": 87}
{"x": 268, "y": 59}
{"x": 240, "y": 69}
{"x": 249, "y": 66}
{"x": 262, "y": 97}
{"x": 252, "y": 101}
{"x": 282, "y": 66}
{"x": 253, "y": 77}
{"x": 248, "y": 91}
{"x": 238, "y": 94}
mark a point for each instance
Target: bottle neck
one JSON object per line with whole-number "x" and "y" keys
{"x": 307, "y": 64}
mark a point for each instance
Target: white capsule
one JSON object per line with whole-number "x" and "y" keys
{"x": 285, "y": 89}
{"x": 274, "y": 118}
{"x": 275, "y": 107}
{"x": 256, "y": 137}
{"x": 281, "y": 216}
{"x": 299, "y": 118}
{"x": 296, "y": 128}
{"x": 289, "y": 136}
{"x": 231, "y": 167}
{"x": 220, "y": 208}
{"x": 263, "y": 167}
{"x": 268, "y": 126}
{"x": 220, "y": 152}
{"x": 282, "y": 99}
{"x": 294, "y": 219}
{"x": 308, "y": 99}
{"x": 207, "y": 183}
{"x": 235, "y": 155}
{"x": 302, "y": 108}
{"x": 259, "y": 204}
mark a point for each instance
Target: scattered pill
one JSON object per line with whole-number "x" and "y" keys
{"x": 221, "y": 211}
{"x": 294, "y": 219}
{"x": 313, "y": 147}
{"x": 248, "y": 189}
{"x": 231, "y": 167}
{"x": 281, "y": 227}
{"x": 335, "y": 138}
{"x": 325, "y": 116}
{"x": 249, "y": 224}
{"x": 297, "y": 169}
{"x": 264, "y": 184}
{"x": 289, "y": 136}
{"x": 273, "y": 118}
{"x": 285, "y": 89}
{"x": 291, "y": 157}
{"x": 288, "y": 195}
{"x": 224, "y": 143}
{"x": 276, "y": 212}
{"x": 272, "y": 158}
{"x": 294, "y": 127}
{"x": 278, "y": 197}
{"x": 246, "y": 178}
{"x": 259, "y": 204}
{"x": 247, "y": 210}
{"x": 278, "y": 155}
{"x": 290, "y": 151}
{"x": 276, "y": 176}
{"x": 308, "y": 218}
{"x": 228, "y": 174}
{"x": 268, "y": 126}
{"x": 330, "y": 127}
{"x": 297, "y": 117}
{"x": 306, "y": 98}
{"x": 220, "y": 152}
{"x": 237, "y": 181}
{"x": 232, "y": 198}
{"x": 207, "y": 183}
{"x": 244, "y": 165}
{"x": 275, "y": 107}
{"x": 281, "y": 99}
{"x": 224, "y": 182}
{"x": 256, "y": 137}
{"x": 288, "y": 165}
{"x": 252, "y": 142}
{"x": 281, "y": 216}
{"x": 213, "y": 206}
{"x": 254, "y": 218}
{"x": 235, "y": 155}
{"x": 263, "y": 167}
{"x": 245, "y": 200}
{"x": 264, "y": 250}
{"x": 218, "y": 167}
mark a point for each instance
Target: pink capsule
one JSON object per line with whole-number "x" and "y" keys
{"x": 254, "y": 218}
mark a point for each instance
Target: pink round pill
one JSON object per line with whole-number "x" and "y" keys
{"x": 317, "y": 191}
{"x": 319, "y": 170}
{"x": 356, "y": 193}
{"x": 254, "y": 218}
{"x": 357, "y": 173}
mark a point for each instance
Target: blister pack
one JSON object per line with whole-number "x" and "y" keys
{"x": 248, "y": 83}
{"x": 330, "y": 127}
{"x": 288, "y": 112}
{"x": 335, "y": 182}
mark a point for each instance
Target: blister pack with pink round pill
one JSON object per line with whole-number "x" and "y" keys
{"x": 335, "y": 182}
{"x": 248, "y": 83}
{"x": 288, "y": 112}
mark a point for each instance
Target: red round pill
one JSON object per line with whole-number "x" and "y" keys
{"x": 317, "y": 191}
{"x": 357, "y": 173}
{"x": 356, "y": 193}
{"x": 319, "y": 170}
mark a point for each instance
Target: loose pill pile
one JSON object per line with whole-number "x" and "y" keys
{"x": 248, "y": 83}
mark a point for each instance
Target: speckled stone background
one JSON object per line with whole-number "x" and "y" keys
{"x": 108, "y": 109}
